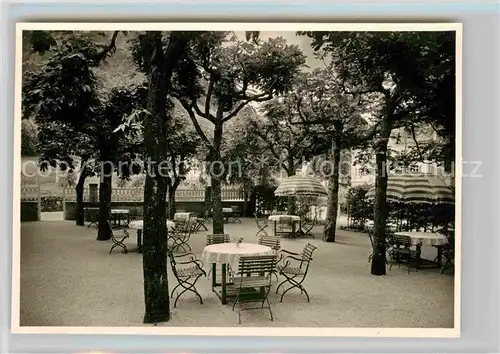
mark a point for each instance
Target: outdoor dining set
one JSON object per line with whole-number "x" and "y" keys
{"x": 246, "y": 269}
{"x": 243, "y": 272}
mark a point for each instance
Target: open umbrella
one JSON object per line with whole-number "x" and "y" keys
{"x": 300, "y": 185}
{"x": 416, "y": 189}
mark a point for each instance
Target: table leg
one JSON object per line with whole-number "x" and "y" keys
{"x": 223, "y": 285}
{"x": 439, "y": 255}
{"x": 214, "y": 276}
{"x": 139, "y": 240}
{"x": 419, "y": 251}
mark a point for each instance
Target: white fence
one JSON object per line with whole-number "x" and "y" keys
{"x": 137, "y": 194}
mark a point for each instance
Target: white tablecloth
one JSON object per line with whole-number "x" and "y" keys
{"x": 229, "y": 253}
{"x": 425, "y": 238}
{"x": 184, "y": 216}
{"x": 276, "y": 218}
{"x": 139, "y": 224}
{"x": 120, "y": 211}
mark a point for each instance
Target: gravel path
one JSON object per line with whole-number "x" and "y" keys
{"x": 69, "y": 279}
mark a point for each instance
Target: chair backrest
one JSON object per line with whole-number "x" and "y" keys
{"x": 213, "y": 239}
{"x": 401, "y": 240}
{"x": 259, "y": 222}
{"x": 257, "y": 265}
{"x": 308, "y": 252}
{"x": 173, "y": 264}
{"x": 270, "y": 241}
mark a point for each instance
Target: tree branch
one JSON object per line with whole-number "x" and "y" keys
{"x": 110, "y": 47}
{"x": 209, "y": 94}
{"x": 199, "y": 112}
{"x": 413, "y": 135}
{"x": 197, "y": 127}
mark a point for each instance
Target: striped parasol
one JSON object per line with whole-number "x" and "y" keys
{"x": 416, "y": 189}
{"x": 300, "y": 185}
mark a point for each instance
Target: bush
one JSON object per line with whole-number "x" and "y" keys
{"x": 358, "y": 209}
{"x": 51, "y": 203}
{"x": 29, "y": 138}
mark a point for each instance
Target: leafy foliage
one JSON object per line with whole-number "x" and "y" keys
{"x": 359, "y": 209}
{"x": 29, "y": 138}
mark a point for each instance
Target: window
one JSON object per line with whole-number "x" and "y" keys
{"x": 415, "y": 169}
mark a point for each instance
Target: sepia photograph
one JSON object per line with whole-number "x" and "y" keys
{"x": 293, "y": 176}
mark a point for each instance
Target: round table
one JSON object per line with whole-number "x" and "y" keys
{"x": 276, "y": 219}
{"x": 229, "y": 253}
{"x": 117, "y": 214}
{"x": 420, "y": 239}
{"x": 424, "y": 238}
{"x": 139, "y": 225}
{"x": 184, "y": 216}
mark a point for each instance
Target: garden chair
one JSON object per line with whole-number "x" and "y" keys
{"x": 262, "y": 224}
{"x": 402, "y": 252}
{"x": 186, "y": 276}
{"x": 201, "y": 219}
{"x": 448, "y": 255}
{"x": 118, "y": 241}
{"x": 308, "y": 224}
{"x": 295, "y": 275}
{"x": 235, "y": 215}
{"x": 93, "y": 216}
{"x": 213, "y": 239}
{"x": 252, "y": 282}
{"x": 180, "y": 237}
{"x": 271, "y": 241}
{"x": 285, "y": 226}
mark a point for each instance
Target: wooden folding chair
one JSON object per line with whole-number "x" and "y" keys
{"x": 448, "y": 255}
{"x": 93, "y": 216}
{"x": 180, "y": 237}
{"x": 234, "y": 217}
{"x": 252, "y": 282}
{"x": 274, "y": 242}
{"x": 285, "y": 226}
{"x": 295, "y": 275}
{"x": 402, "y": 252}
{"x": 201, "y": 219}
{"x": 186, "y": 276}
{"x": 118, "y": 241}
{"x": 307, "y": 224}
{"x": 262, "y": 225}
{"x": 270, "y": 241}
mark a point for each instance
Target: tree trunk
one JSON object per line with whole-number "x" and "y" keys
{"x": 215, "y": 169}
{"x": 154, "y": 257}
{"x": 79, "y": 188}
{"x": 380, "y": 208}
{"x": 291, "y": 201}
{"x": 246, "y": 199}
{"x": 252, "y": 202}
{"x": 104, "y": 232}
{"x": 333, "y": 195}
{"x": 171, "y": 200}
